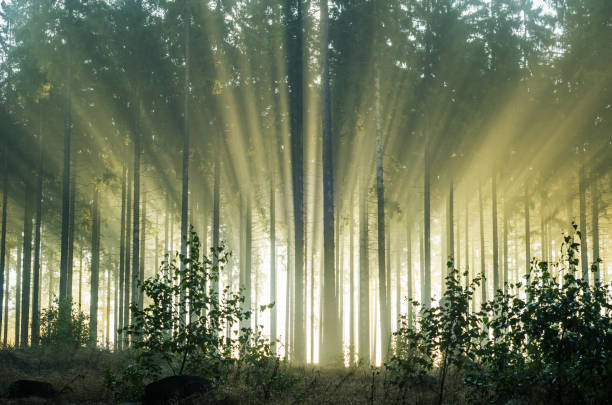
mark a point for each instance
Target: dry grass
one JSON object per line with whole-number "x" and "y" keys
{"x": 79, "y": 376}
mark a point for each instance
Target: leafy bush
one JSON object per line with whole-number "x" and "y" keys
{"x": 63, "y": 324}
{"x": 551, "y": 339}
{"x": 184, "y": 329}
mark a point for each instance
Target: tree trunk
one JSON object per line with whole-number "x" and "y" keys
{"x": 483, "y": 272}
{"x": 505, "y": 242}
{"x": 4, "y": 311}
{"x": 426, "y": 280}
{"x": 527, "y": 235}
{"x": 409, "y": 270}
{"x": 143, "y": 238}
{"x": 496, "y": 283}
{"x": 584, "y": 260}
{"x": 128, "y": 249}
{"x": 595, "y": 214}
{"x": 18, "y": 295}
{"x": 273, "y": 310}
{"x": 351, "y": 283}
{"x": 95, "y": 269}
{"x": 71, "y": 236}
{"x": 108, "y": 291}
{"x": 331, "y": 338}
{"x": 185, "y": 167}
{"x": 5, "y": 286}
{"x": 543, "y": 241}
{"x": 136, "y": 218}
{"x": 364, "y": 275}
{"x": 27, "y": 266}
{"x": 66, "y": 174}
{"x": 451, "y": 226}
{"x": 467, "y": 244}
{"x": 216, "y": 214}
{"x": 248, "y": 244}
{"x": 120, "y": 318}
{"x": 37, "y": 248}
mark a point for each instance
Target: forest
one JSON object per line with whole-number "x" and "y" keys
{"x": 299, "y": 201}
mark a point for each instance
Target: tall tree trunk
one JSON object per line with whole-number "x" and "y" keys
{"x": 128, "y": 249}
{"x": 273, "y": 311}
{"x": 95, "y": 269}
{"x": 426, "y": 280}
{"x": 248, "y": 244}
{"x": 409, "y": 270}
{"x": 351, "y": 283}
{"x": 4, "y": 311}
{"x": 483, "y": 271}
{"x": 27, "y": 266}
{"x": 66, "y": 174}
{"x": 136, "y": 215}
{"x": 496, "y": 283}
{"x": 467, "y": 244}
{"x": 595, "y": 214}
{"x": 543, "y": 241}
{"x": 143, "y": 238}
{"x": 37, "y": 248}
{"x": 5, "y": 286}
{"x": 584, "y": 259}
{"x": 81, "y": 278}
{"x": 108, "y": 294}
{"x": 364, "y": 275}
{"x": 451, "y": 225}
{"x": 185, "y": 192}
{"x": 331, "y": 333}
{"x": 527, "y": 235}
{"x": 71, "y": 236}
{"x": 18, "y": 295}
{"x": 505, "y": 242}
{"x": 216, "y": 213}
{"x": 120, "y": 316}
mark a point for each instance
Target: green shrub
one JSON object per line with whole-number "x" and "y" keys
{"x": 63, "y": 324}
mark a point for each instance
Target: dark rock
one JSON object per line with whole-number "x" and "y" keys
{"x": 175, "y": 388}
{"x": 31, "y": 388}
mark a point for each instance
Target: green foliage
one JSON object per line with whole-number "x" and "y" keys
{"x": 63, "y": 324}
{"x": 184, "y": 330}
{"x": 551, "y": 339}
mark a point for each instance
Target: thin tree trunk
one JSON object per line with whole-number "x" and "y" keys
{"x": 216, "y": 214}
{"x": 352, "y": 345}
{"x": 248, "y": 243}
{"x": 426, "y": 279}
{"x": 120, "y": 316}
{"x": 37, "y": 253}
{"x": 18, "y": 295}
{"x": 543, "y": 241}
{"x": 95, "y": 269}
{"x": 409, "y": 281}
{"x": 143, "y": 238}
{"x": 3, "y": 238}
{"x": 505, "y": 242}
{"x": 273, "y": 311}
{"x": 81, "y": 278}
{"x": 584, "y": 260}
{"x": 185, "y": 192}
{"x": 496, "y": 281}
{"x": 108, "y": 295}
{"x": 364, "y": 275}
{"x": 527, "y": 235}
{"x": 595, "y": 214}
{"x": 71, "y": 236}
{"x": 483, "y": 272}
{"x": 5, "y": 286}
{"x": 451, "y": 225}
{"x": 128, "y": 249}
{"x": 27, "y": 266}
{"x": 467, "y": 244}
{"x": 136, "y": 218}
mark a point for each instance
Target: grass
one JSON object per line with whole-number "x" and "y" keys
{"x": 79, "y": 376}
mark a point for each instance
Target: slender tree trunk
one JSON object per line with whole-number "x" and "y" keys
{"x": 71, "y": 236}
{"x": 216, "y": 213}
{"x": 409, "y": 281}
{"x": 37, "y": 253}
{"x": 121, "y": 260}
{"x": 595, "y": 214}
{"x": 108, "y": 295}
{"x": 483, "y": 271}
{"x": 467, "y": 244}
{"x": 451, "y": 225}
{"x": 66, "y": 175}
{"x": 167, "y": 225}
{"x": 543, "y": 241}
{"x": 18, "y": 295}
{"x": 27, "y": 266}
{"x": 185, "y": 193}
{"x": 4, "y": 312}
{"x": 505, "y": 242}
{"x": 426, "y": 280}
{"x": 351, "y": 283}
{"x": 496, "y": 281}
{"x": 527, "y": 235}
{"x": 331, "y": 331}
{"x": 364, "y": 275}
{"x": 248, "y": 243}
{"x": 128, "y": 249}
{"x": 95, "y": 269}
{"x": 143, "y": 238}
{"x": 81, "y": 278}
{"x": 584, "y": 259}
{"x": 273, "y": 311}
{"x": 6, "y": 297}
{"x": 136, "y": 216}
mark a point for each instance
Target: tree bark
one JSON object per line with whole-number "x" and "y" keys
{"x": 409, "y": 270}
{"x": 18, "y": 295}
{"x": 352, "y": 345}
{"x": 483, "y": 271}
{"x": 426, "y": 280}
{"x": 120, "y": 316}
{"x": 595, "y": 214}
{"x": 527, "y": 235}
{"x": 5, "y": 286}
{"x": 136, "y": 216}
{"x": 128, "y": 248}
{"x": 37, "y": 248}
{"x": 496, "y": 283}
{"x": 584, "y": 259}
{"x": 364, "y": 275}
{"x": 27, "y": 266}
{"x": 71, "y": 236}
{"x": 143, "y": 238}
{"x": 4, "y": 311}
{"x": 95, "y": 269}
{"x": 273, "y": 311}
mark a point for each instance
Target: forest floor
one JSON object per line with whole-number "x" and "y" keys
{"x": 79, "y": 376}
